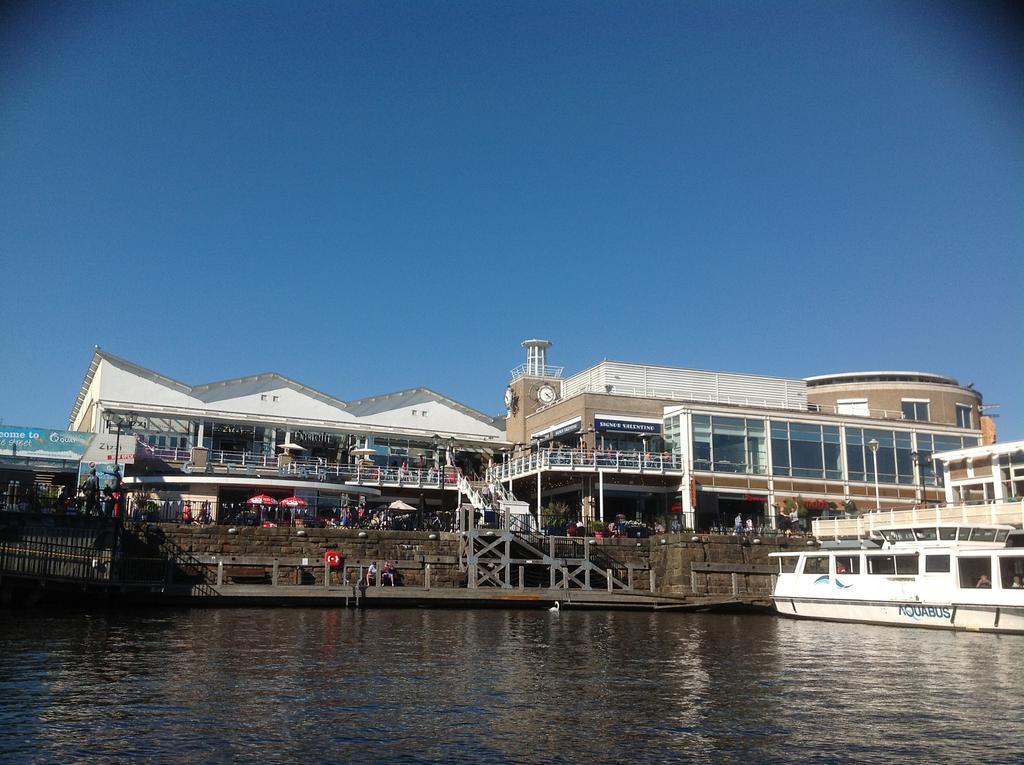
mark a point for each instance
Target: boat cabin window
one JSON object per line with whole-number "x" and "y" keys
{"x": 936, "y": 564}
{"x": 948, "y": 533}
{"x": 816, "y": 564}
{"x": 982, "y": 535}
{"x": 847, "y": 564}
{"x": 1011, "y": 573}
{"x": 1002, "y": 534}
{"x": 926, "y": 535}
{"x": 787, "y": 565}
{"x": 892, "y": 564}
{"x": 975, "y": 573}
{"x": 899, "y": 535}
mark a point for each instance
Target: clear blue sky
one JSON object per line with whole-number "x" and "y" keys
{"x": 371, "y": 196}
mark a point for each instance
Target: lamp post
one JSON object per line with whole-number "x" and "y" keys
{"x": 873, "y": 446}
{"x": 123, "y": 422}
{"x": 919, "y": 461}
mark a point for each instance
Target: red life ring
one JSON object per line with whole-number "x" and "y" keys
{"x": 332, "y": 558}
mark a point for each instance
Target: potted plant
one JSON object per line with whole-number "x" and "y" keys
{"x": 599, "y": 529}
{"x": 554, "y": 518}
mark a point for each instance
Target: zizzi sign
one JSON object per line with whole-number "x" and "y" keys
{"x": 626, "y": 426}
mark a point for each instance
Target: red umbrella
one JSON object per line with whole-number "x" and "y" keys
{"x": 261, "y": 499}
{"x": 293, "y": 502}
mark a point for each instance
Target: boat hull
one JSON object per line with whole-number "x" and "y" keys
{"x": 948, "y": 616}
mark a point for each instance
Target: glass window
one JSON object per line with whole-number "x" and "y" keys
{"x": 816, "y": 564}
{"x": 915, "y": 410}
{"x": 1011, "y": 573}
{"x": 936, "y": 564}
{"x": 947, "y": 533}
{"x": 787, "y": 565}
{"x": 729, "y": 444}
{"x": 927, "y": 534}
{"x": 975, "y": 573}
{"x": 855, "y": 454}
{"x": 701, "y": 442}
{"x": 963, "y": 416}
{"x": 983, "y": 535}
{"x": 881, "y": 564}
{"x": 847, "y": 564}
{"x": 906, "y": 564}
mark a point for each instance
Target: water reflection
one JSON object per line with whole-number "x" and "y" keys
{"x": 498, "y": 686}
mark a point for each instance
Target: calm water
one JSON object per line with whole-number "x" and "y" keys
{"x": 317, "y": 685}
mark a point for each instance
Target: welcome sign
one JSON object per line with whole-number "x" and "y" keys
{"x": 42, "y": 443}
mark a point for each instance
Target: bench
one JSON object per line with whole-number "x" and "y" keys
{"x": 247, "y": 575}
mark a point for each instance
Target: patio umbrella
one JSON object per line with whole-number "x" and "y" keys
{"x": 293, "y": 502}
{"x": 288, "y": 446}
{"x": 405, "y": 507}
{"x": 262, "y": 500}
{"x": 364, "y": 451}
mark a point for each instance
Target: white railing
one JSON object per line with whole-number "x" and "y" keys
{"x": 1008, "y": 513}
{"x": 532, "y": 370}
{"x": 672, "y": 394}
{"x": 310, "y": 468}
{"x": 585, "y": 459}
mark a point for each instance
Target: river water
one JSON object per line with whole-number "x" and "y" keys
{"x": 495, "y": 686}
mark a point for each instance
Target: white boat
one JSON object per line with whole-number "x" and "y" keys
{"x": 943, "y": 576}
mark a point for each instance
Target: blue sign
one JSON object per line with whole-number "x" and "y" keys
{"x": 564, "y": 430}
{"x": 42, "y": 443}
{"x": 626, "y": 426}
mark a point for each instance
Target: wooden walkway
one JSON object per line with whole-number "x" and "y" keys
{"x": 488, "y": 597}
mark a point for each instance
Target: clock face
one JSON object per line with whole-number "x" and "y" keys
{"x": 546, "y": 394}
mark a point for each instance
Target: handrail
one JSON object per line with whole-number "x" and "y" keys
{"x": 586, "y": 458}
{"x": 1009, "y": 512}
{"x": 673, "y": 394}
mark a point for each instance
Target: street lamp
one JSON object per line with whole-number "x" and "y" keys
{"x": 919, "y": 460}
{"x": 873, "y": 446}
{"x": 123, "y": 422}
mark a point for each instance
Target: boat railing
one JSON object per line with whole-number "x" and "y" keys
{"x": 1007, "y": 513}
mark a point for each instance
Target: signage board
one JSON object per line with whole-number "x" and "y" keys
{"x": 42, "y": 443}
{"x": 625, "y": 426}
{"x": 104, "y": 446}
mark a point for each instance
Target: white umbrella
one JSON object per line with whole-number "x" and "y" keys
{"x": 364, "y": 451}
{"x": 289, "y": 446}
{"x": 400, "y": 505}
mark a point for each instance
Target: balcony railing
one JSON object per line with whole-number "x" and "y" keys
{"x": 306, "y": 468}
{"x": 1009, "y": 513}
{"x": 584, "y": 459}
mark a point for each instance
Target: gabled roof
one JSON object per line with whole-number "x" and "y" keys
{"x": 229, "y": 388}
{"x": 99, "y": 355}
{"x": 387, "y": 402}
{"x": 222, "y": 389}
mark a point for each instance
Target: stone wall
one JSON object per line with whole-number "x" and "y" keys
{"x": 669, "y": 556}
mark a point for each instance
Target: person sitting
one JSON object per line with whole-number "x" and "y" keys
{"x": 1016, "y": 584}
{"x": 387, "y": 574}
{"x": 983, "y": 582}
{"x": 371, "y": 574}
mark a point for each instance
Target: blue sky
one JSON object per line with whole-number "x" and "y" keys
{"x": 372, "y": 196}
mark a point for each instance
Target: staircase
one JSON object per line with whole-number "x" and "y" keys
{"x": 510, "y": 559}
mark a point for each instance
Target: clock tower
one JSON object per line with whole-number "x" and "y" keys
{"x": 534, "y": 385}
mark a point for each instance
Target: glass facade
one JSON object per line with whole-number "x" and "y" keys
{"x": 729, "y": 444}
{"x": 806, "y": 450}
{"x": 811, "y": 450}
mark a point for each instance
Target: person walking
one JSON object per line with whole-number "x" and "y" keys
{"x": 91, "y": 491}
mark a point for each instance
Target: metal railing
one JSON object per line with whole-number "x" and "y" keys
{"x": 1009, "y": 513}
{"x": 533, "y": 370}
{"x": 308, "y": 468}
{"x": 571, "y": 459}
{"x": 672, "y": 394}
